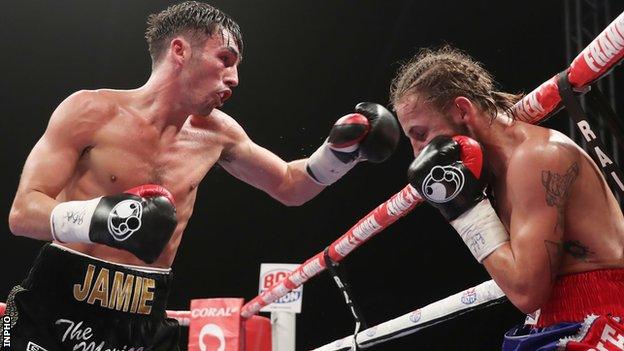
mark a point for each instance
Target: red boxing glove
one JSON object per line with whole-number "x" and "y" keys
{"x": 370, "y": 134}
{"x": 448, "y": 174}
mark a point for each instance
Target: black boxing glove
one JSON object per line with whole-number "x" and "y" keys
{"x": 447, "y": 174}
{"x": 371, "y": 133}
{"x": 141, "y": 221}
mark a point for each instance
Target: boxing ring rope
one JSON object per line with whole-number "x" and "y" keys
{"x": 374, "y": 222}
{"x": 595, "y": 61}
{"x": 183, "y": 317}
{"x": 481, "y": 296}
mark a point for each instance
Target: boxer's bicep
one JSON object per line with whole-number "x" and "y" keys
{"x": 254, "y": 165}
{"x": 534, "y": 243}
{"x": 287, "y": 182}
{"x": 50, "y": 165}
{"x": 533, "y": 227}
{"x": 522, "y": 268}
{"x": 248, "y": 161}
{"x": 539, "y": 203}
{"x": 53, "y": 159}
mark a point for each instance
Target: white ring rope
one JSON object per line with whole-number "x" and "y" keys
{"x": 480, "y": 296}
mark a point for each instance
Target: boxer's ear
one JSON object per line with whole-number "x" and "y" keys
{"x": 179, "y": 50}
{"x": 463, "y": 111}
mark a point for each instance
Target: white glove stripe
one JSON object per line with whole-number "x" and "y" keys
{"x": 481, "y": 230}
{"x": 70, "y": 221}
{"x": 325, "y": 167}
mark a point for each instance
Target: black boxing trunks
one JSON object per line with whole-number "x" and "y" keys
{"x": 71, "y": 301}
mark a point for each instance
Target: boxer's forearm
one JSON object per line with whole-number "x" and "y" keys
{"x": 298, "y": 187}
{"x": 30, "y": 215}
{"x": 526, "y": 284}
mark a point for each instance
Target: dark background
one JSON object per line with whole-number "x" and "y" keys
{"x": 306, "y": 63}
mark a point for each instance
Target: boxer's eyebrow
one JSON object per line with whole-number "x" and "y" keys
{"x": 417, "y": 132}
{"x": 234, "y": 52}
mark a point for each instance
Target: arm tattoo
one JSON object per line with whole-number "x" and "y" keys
{"x": 576, "y": 249}
{"x": 553, "y": 249}
{"x": 556, "y": 250}
{"x": 557, "y": 187}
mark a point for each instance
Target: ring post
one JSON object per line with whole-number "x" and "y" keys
{"x": 283, "y": 331}
{"x": 283, "y": 310}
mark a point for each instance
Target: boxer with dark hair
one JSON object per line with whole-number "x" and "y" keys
{"x": 103, "y": 282}
{"x": 549, "y": 231}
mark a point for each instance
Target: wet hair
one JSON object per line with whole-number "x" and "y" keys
{"x": 439, "y": 75}
{"x": 197, "y": 20}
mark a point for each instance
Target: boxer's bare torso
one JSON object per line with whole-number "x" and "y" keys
{"x": 126, "y": 151}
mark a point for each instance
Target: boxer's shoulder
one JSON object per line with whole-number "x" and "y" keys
{"x": 543, "y": 147}
{"x": 218, "y": 128}
{"x": 102, "y": 100}
{"x": 218, "y": 125}
{"x": 217, "y": 121}
{"x": 80, "y": 116}
{"x": 538, "y": 157}
{"x": 91, "y": 105}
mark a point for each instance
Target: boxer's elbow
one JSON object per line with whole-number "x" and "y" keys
{"x": 528, "y": 298}
{"x": 16, "y": 221}
{"x": 292, "y": 194}
{"x": 21, "y": 216}
{"x": 293, "y": 203}
{"x": 290, "y": 199}
{"x": 526, "y": 304}
{"x": 527, "y": 286}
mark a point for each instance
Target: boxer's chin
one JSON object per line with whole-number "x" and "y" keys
{"x": 206, "y": 110}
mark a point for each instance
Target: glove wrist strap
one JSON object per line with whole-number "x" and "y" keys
{"x": 70, "y": 221}
{"x": 481, "y": 230}
{"x": 325, "y": 167}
